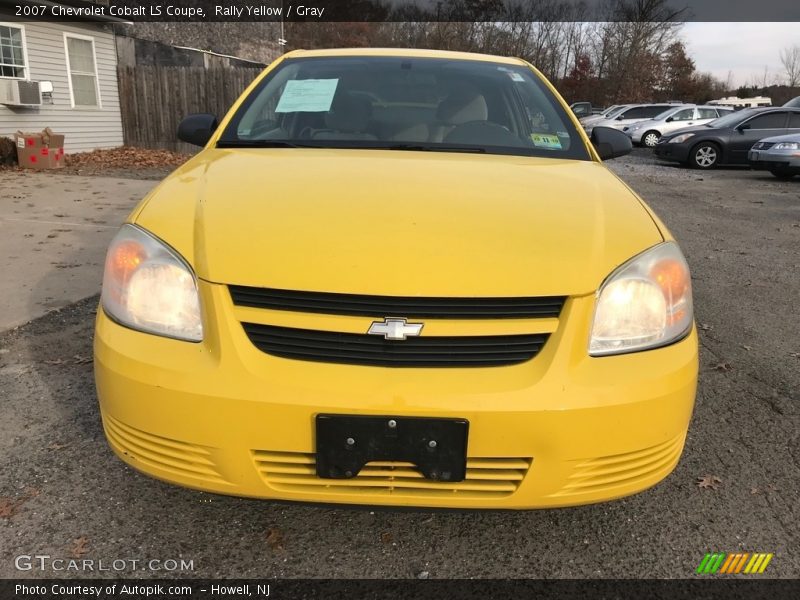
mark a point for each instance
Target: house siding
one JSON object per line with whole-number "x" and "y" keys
{"x": 85, "y": 128}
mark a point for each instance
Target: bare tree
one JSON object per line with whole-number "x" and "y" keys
{"x": 790, "y": 58}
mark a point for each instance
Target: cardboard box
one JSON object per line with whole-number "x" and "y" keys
{"x": 40, "y": 151}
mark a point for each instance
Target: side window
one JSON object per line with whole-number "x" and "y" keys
{"x": 687, "y": 114}
{"x": 634, "y": 113}
{"x": 708, "y": 113}
{"x": 773, "y": 120}
{"x": 648, "y": 112}
{"x": 794, "y": 120}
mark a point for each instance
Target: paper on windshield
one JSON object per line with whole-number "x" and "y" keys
{"x": 307, "y": 95}
{"x": 543, "y": 140}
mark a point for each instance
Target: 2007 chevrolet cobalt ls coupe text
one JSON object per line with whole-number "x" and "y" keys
{"x": 398, "y": 277}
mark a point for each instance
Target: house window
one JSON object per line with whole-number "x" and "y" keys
{"x": 82, "y": 68}
{"x": 12, "y": 52}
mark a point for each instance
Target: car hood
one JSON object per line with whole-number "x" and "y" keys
{"x": 792, "y": 137}
{"x": 399, "y": 223}
{"x": 694, "y": 128}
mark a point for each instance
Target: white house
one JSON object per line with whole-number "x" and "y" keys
{"x": 73, "y": 67}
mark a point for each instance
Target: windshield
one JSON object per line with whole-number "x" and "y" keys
{"x": 610, "y": 109}
{"x": 663, "y": 115}
{"x": 612, "y": 114}
{"x": 732, "y": 119}
{"x": 402, "y": 103}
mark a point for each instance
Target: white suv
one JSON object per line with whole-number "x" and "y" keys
{"x": 647, "y": 133}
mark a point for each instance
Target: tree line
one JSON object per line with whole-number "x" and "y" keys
{"x": 617, "y": 51}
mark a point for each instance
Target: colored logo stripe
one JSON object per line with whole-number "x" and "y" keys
{"x": 734, "y": 563}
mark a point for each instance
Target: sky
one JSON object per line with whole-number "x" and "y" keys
{"x": 741, "y": 48}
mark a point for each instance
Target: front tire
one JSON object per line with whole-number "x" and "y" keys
{"x": 783, "y": 174}
{"x": 650, "y": 139}
{"x": 705, "y": 155}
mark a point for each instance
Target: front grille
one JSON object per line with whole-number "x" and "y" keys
{"x": 606, "y": 473}
{"x": 172, "y": 456}
{"x": 406, "y": 306}
{"x": 362, "y": 349}
{"x": 296, "y": 472}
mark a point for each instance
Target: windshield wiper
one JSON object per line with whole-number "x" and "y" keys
{"x": 259, "y": 144}
{"x": 421, "y": 148}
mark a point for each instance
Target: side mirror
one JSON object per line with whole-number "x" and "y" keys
{"x": 670, "y": 119}
{"x": 197, "y": 129}
{"x": 619, "y": 118}
{"x": 743, "y": 127}
{"x": 610, "y": 143}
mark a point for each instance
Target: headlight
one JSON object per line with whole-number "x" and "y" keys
{"x": 149, "y": 287}
{"x": 645, "y": 303}
{"x": 786, "y": 146}
{"x": 679, "y": 139}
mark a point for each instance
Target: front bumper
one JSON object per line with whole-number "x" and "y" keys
{"x": 774, "y": 160}
{"x": 672, "y": 152}
{"x": 561, "y": 429}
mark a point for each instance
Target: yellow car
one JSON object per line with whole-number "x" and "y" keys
{"x": 398, "y": 277}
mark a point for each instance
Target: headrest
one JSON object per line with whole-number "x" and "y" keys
{"x": 463, "y": 106}
{"x": 348, "y": 113}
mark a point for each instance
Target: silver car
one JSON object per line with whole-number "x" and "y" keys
{"x": 647, "y": 133}
{"x": 608, "y": 113}
{"x": 631, "y": 114}
{"x": 780, "y": 155}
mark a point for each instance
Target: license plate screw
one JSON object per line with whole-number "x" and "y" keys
{"x": 432, "y": 444}
{"x": 392, "y": 423}
{"x": 350, "y": 442}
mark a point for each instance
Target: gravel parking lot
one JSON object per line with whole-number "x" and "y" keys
{"x": 63, "y": 493}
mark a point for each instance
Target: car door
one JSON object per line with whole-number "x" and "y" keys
{"x": 750, "y": 131}
{"x": 682, "y": 118}
{"x": 794, "y": 123}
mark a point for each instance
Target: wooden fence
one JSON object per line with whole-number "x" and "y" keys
{"x": 153, "y": 100}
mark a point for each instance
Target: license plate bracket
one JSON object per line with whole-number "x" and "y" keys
{"x": 436, "y": 446}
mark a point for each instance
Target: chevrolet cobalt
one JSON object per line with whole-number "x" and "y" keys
{"x": 398, "y": 277}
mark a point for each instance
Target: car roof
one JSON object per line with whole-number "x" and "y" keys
{"x": 404, "y": 52}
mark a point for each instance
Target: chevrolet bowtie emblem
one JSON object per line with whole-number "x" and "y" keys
{"x": 395, "y": 329}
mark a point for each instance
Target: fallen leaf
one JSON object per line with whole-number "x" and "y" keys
{"x": 81, "y": 360}
{"x": 10, "y": 506}
{"x": 746, "y": 347}
{"x": 724, "y": 366}
{"x": 275, "y": 539}
{"x": 705, "y": 327}
{"x": 57, "y": 361}
{"x": 56, "y": 446}
{"x": 386, "y": 537}
{"x": 709, "y": 481}
{"x": 755, "y": 491}
{"x": 80, "y": 546}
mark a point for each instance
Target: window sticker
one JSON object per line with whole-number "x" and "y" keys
{"x": 307, "y": 95}
{"x": 516, "y": 76}
{"x": 543, "y": 140}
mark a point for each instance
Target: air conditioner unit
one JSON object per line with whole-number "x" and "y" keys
{"x": 15, "y": 92}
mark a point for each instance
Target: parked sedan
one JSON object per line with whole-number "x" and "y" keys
{"x": 727, "y": 140}
{"x": 647, "y": 133}
{"x": 632, "y": 114}
{"x": 779, "y": 155}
